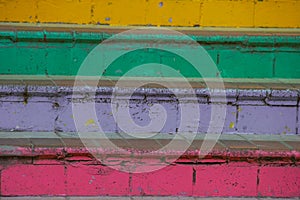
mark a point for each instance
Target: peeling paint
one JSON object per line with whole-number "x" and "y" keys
{"x": 248, "y": 113}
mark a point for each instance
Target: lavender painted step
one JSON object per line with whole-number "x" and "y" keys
{"x": 46, "y": 105}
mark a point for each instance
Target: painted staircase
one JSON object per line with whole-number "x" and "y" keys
{"x": 64, "y": 134}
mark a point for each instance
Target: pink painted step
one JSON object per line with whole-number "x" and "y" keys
{"x": 238, "y": 166}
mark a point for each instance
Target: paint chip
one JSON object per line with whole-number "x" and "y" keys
{"x": 90, "y": 122}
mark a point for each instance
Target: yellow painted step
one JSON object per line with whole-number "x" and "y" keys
{"x": 205, "y": 13}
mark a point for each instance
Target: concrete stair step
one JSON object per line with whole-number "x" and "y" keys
{"x": 35, "y": 164}
{"x": 55, "y": 49}
{"x": 255, "y": 106}
{"x": 43, "y": 154}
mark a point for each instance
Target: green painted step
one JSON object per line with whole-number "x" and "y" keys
{"x": 40, "y": 52}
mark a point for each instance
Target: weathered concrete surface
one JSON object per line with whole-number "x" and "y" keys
{"x": 61, "y": 166}
{"x": 244, "y": 13}
{"x": 58, "y": 164}
{"x": 136, "y": 198}
{"x": 47, "y": 106}
{"x": 49, "y": 50}
{"x": 71, "y": 171}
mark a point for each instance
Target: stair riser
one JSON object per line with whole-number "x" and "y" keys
{"x": 62, "y": 53}
{"x": 247, "y": 111}
{"x": 65, "y": 178}
{"x": 168, "y": 13}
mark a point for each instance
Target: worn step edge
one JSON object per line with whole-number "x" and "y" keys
{"x": 249, "y": 148}
{"x": 46, "y": 33}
